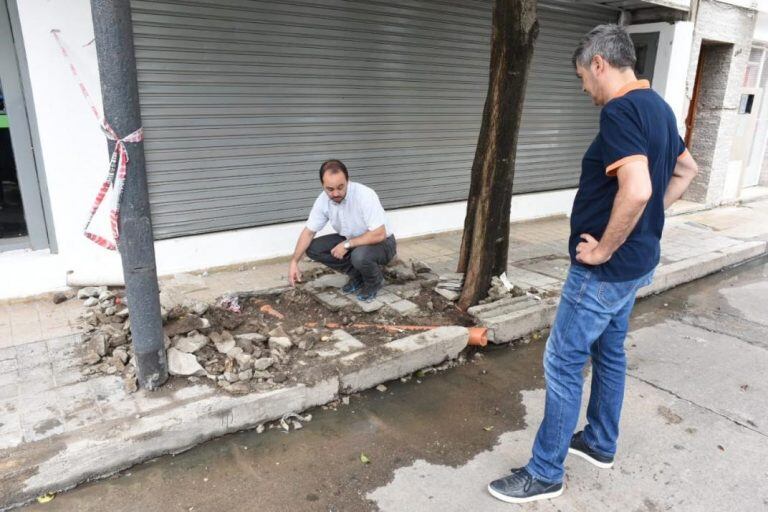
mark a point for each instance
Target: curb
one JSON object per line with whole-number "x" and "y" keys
{"x": 505, "y": 326}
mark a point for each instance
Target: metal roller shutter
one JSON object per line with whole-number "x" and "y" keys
{"x": 242, "y": 99}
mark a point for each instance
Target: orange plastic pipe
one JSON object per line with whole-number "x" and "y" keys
{"x": 478, "y": 336}
{"x": 266, "y": 308}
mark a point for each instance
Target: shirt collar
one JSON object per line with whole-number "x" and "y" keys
{"x": 632, "y": 86}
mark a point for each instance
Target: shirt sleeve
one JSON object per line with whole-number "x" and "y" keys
{"x": 373, "y": 213}
{"x": 318, "y": 217}
{"x": 623, "y": 139}
{"x": 681, "y": 149}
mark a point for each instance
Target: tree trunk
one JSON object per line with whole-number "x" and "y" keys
{"x": 485, "y": 241}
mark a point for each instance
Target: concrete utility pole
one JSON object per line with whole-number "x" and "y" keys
{"x": 113, "y": 33}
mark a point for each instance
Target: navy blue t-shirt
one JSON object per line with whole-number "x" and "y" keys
{"x": 636, "y": 125}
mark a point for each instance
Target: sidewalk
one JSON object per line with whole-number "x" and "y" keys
{"x": 58, "y": 429}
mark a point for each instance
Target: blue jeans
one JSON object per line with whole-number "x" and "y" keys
{"x": 591, "y": 321}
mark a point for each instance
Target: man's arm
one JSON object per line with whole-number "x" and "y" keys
{"x": 685, "y": 170}
{"x": 370, "y": 237}
{"x": 305, "y": 238}
{"x": 635, "y": 191}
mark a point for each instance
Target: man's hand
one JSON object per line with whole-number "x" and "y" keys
{"x": 589, "y": 251}
{"x": 294, "y": 274}
{"x": 339, "y": 251}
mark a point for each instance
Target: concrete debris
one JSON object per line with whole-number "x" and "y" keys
{"x": 398, "y": 271}
{"x": 183, "y": 364}
{"x": 280, "y": 343}
{"x": 263, "y": 363}
{"x": 420, "y": 267}
{"x": 381, "y": 388}
{"x": 60, "y": 297}
{"x": 90, "y": 291}
{"x": 193, "y": 342}
{"x": 253, "y": 337}
{"x": 223, "y": 342}
{"x": 328, "y": 281}
{"x": 448, "y": 294}
{"x": 90, "y": 302}
{"x": 185, "y": 324}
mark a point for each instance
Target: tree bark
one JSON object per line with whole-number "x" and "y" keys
{"x": 485, "y": 241}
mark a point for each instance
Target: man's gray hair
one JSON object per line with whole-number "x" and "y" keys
{"x": 611, "y": 42}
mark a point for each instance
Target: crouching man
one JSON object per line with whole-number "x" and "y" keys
{"x": 363, "y": 241}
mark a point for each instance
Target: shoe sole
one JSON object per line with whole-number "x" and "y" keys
{"x": 594, "y": 462}
{"x": 510, "y": 499}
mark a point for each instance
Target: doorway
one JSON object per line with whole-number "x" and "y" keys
{"x": 22, "y": 218}
{"x": 705, "y": 113}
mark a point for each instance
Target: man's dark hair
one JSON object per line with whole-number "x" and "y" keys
{"x": 611, "y": 42}
{"x": 333, "y": 166}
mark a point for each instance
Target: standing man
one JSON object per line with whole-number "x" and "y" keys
{"x": 363, "y": 240}
{"x": 634, "y": 169}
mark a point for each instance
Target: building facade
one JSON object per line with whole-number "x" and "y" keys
{"x": 242, "y": 99}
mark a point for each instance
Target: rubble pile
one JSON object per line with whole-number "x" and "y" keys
{"x": 243, "y": 342}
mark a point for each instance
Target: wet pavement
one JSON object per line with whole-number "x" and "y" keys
{"x": 694, "y": 431}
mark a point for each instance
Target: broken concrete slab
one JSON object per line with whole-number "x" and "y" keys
{"x": 343, "y": 342}
{"x": 332, "y": 300}
{"x": 448, "y": 294}
{"x": 490, "y": 307}
{"x": 328, "y": 281}
{"x": 183, "y": 364}
{"x": 406, "y": 355}
{"x": 190, "y": 344}
{"x": 518, "y": 323}
{"x": 200, "y": 413}
{"x": 404, "y": 307}
{"x": 369, "y": 307}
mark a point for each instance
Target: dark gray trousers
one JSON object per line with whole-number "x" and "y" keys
{"x": 362, "y": 262}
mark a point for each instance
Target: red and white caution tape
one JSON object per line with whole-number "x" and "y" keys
{"x": 118, "y": 162}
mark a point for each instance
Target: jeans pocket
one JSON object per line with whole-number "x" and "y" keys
{"x": 609, "y": 295}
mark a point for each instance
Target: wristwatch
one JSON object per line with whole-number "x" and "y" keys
{"x": 347, "y": 245}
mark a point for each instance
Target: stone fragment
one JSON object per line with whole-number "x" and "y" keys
{"x": 245, "y": 375}
{"x": 98, "y": 344}
{"x": 328, "y": 281}
{"x": 90, "y": 291}
{"x": 253, "y": 337}
{"x": 263, "y": 363}
{"x": 420, "y": 267}
{"x": 448, "y": 294}
{"x": 90, "y": 302}
{"x": 130, "y": 384}
{"x": 404, "y": 307}
{"x": 244, "y": 361}
{"x": 91, "y": 357}
{"x": 191, "y": 343}
{"x": 60, "y": 297}
{"x": 120, "y": 354}
{"x": 231, "y": 377}
{"x": 369, "y": 307}
{"x": 110, "y": 311}
{"x": 381, "y": 388}
{"x": 280, "y": 343}
{"x": 185, "y": 324}
{"x": 278, "y": 332}
{"x": 105, "y": 295}
{"x": 235, "y": 352}
{"x": 123, "y": 313}
{"x": 238, "y": 388}
{"x": 225, "y": 343}
{"x": 332, "y": 301}
{"x": 183, "y": 364}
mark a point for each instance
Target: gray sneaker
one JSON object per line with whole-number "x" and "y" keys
{"x": 522, "y": 487}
